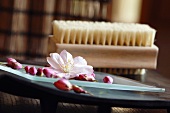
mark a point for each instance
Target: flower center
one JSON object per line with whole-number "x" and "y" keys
{"x": 68, "y": 66}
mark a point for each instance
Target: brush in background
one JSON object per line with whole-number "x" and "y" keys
{"x": 117, "y": 48}
{"x": 103, "y": 33}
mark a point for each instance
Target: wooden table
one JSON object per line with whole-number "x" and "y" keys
{"x": 105, "y": 99}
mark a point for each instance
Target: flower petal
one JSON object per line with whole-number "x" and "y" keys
{"x": 53, "y": 63}
{"x": 66, "y": 56}
{"x": 57, "y": 58}
{"x": 80, "y": 60}
{"x": 61, "y": 75}
{"x": 81, "y": 69}
{"x": 64, "y": 75}
{"x": 58, "y": 70}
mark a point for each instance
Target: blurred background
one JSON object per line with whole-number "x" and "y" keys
{"x": 26, "y": 24}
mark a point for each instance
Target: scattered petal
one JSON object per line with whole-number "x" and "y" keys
{"x": 108, "y": 79}
{"x": 27, "y": 69}
{"x": 16, "y": 65}
{"x": 85, "y": 77}
{"x": 78, "y": 89}
{"x": 32, "y": 71}
{"x": 10, "y": 61}
{"x": 39, "y": 72}
{"x": 63, "y": 84}
{"x": 48, "y": 72}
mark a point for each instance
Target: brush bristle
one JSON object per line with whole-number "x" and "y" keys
{"x": 103, "y": 33}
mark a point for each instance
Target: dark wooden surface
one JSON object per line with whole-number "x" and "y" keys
{"x": 16, "y": 104}
{"x": 22, "y": 87}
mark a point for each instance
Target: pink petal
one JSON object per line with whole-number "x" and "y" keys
{"x": 64, "y": 75}
{"x": 82, "y": 69}
{"x": 10, "y": 61}
{"x": 73, "y": 75}
{"x": 66, "y": 56}
{"x": 63, "y": 84}
{"x": 16, "y": 65}
{"x": 53, "y": 63}
{"x": 39, "y": 72}
{"x": 48, "y": 72}
{"x": 27, "y": 69}
{"x": 32, "y": 70}
{"x": 57, "y": 58}
{"x": 87, "y": 77}
{"x": 59, "y": 70}
{"x": 108, "y": 79}
{"x": 80, "y": 60}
